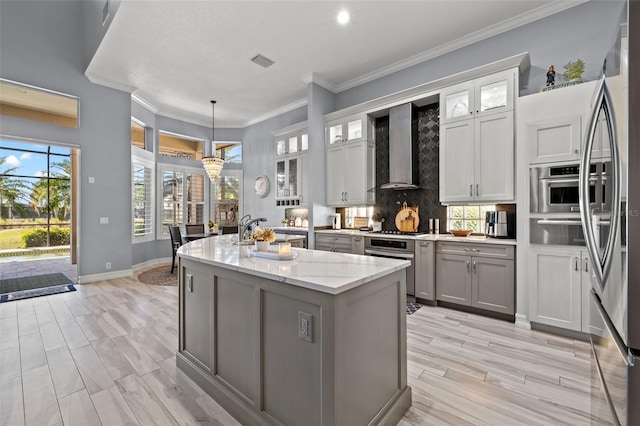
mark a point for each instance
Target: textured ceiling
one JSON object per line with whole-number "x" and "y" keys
{"x": 177, "y": 55}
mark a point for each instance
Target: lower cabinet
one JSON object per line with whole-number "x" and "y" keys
{"x": 559, "y": 284}
{"x": 339, "y": 243}
{"x": 197, "y": 299}
{"x": 425, "y": 270}
{"x": 477, "y": 275}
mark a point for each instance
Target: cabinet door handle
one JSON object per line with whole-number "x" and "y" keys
{"x": 477, "y": 189}
{"x": 586, "y": 264}
{"x": 471, "y": 190}
{"x": 190, "y": 283}
{"x": 576, "y": 264}
{"x": 577, "y": 151}
{"x": 475, "y": 267}
{"x": 345, "y": 196}
{"x": 468, "y": 266}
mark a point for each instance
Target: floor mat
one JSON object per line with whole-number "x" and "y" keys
{"x": 10, "y": 285}
{"x": 35, "y": 286}
{"x": 412, "y": 307}
{"x": 159, "y": 275}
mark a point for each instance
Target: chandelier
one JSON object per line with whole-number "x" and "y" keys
{"x": 212, "y": 164}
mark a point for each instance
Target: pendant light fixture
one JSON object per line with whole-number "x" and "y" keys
{"x": 212, "y": 164}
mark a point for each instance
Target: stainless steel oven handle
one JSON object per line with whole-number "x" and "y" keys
{"x": 566, "y": 180}
{"x": 628, "y": 358}
{"x": 389, "y": 254}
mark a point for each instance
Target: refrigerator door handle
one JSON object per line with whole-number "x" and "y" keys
{"x": 601, "y": 263}
{"x": 626, "y": 355}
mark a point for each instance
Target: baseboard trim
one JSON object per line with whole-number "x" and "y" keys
{"x": 85, "y": 279}
{"x": 522, "y": 322}
{"x": 149, "y": 263}
{"x": 572, "y": 334}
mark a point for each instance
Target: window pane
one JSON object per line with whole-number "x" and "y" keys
{"x": 468, "y": 217}
{"x": 137, "y": 135}
{"x": 232, "y": 152}
{"x": 176, "y": 146}
{"x": 195, "y": 187}
{"x": 32, "y": 103}
{"x": 142, "y": 200}
{"x": 227, "y": 188}
{"x": 471, "y": 212}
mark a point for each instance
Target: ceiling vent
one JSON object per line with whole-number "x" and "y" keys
{"x": 263, "y": 61}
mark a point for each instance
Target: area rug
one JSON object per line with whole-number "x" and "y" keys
{"x": 412, "y": 307}
{"x": 35, "y": 286}
{"x": 159, "y": 275}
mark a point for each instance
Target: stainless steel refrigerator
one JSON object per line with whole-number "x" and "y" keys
{"x": 612, "y": 228}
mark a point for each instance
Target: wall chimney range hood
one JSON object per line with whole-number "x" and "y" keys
{"x": 403, "y": 158}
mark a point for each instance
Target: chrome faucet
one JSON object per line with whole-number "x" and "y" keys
{"x": 245, "y": 224}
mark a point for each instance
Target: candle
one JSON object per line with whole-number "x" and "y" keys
{"x": 284, "y": 248}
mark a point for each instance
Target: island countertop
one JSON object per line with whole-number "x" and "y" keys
{"x": 323, "y": 271}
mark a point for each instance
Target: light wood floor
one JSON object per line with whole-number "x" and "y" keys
{"x": 105, "y": 355}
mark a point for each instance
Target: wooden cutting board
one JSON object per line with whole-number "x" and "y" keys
{"x": 408, "y": 219}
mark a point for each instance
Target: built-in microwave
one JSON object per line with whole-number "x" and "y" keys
{"x": 554, "y": 189}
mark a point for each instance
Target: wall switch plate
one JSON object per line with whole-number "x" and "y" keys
{"x": 108, "y": 265}
{"x": 305, "y": 326}
{"x": 104, "y": 221}
{"x": 92, "y": 179}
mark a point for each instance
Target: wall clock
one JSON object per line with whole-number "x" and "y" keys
{"x": 262, "y": 186}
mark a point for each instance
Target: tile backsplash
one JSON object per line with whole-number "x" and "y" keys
{"x": 389, "y": 201}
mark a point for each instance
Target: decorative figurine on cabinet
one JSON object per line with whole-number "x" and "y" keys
{"x": 551, "y": 76}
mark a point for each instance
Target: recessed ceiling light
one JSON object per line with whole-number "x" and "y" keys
{"x": 343, "y": 17}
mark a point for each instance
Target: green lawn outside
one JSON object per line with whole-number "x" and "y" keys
{"x": 11, "y": 238}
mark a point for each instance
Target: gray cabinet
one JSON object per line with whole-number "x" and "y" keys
{"x": 196, "y": 299}
{"x": 334, "y": 242}
{"x": 350, "y": 174}
{"x": 559, "y": 288}
{"x": 357, "y": 245}
{"x": 477, "y": 275}
{"x": 425, "y": 276}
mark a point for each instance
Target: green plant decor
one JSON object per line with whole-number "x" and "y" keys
{"x": 573, "y": 70}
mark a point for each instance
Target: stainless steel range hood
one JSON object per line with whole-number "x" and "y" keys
{"x": 403, "y": 144}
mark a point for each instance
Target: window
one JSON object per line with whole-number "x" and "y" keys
{"x": 350, "y": 214}
{"x": 174, "y": 145}
{"x": 227, "y": 198}
{"x": 468, "y": 217}
{"x": 142, "y": 170}
{"x": 230, "y": 151}
{"x": 137, "y": 134}
{"x": 35, "y": 195}
{"x": 183, "y": 197}
{"x": 33, "y": 103}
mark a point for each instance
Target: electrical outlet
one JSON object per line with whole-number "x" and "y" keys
{"x": 305, "y": 326}
{"x": 108, "y": 265}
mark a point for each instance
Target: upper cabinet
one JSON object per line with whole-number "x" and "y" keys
{"x": 350, "y": 155}
{"x": 477, "y": 146}
{"x": 292, "y": 144}
{"x": 486, "y": 95}
{"x": 350, "y": 129}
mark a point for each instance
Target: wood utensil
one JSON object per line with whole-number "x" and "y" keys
{"x": 407, "y": 219}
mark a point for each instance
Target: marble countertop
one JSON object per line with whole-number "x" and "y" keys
{"x": 422, "y": 237}
{"x": 323, "y": 271}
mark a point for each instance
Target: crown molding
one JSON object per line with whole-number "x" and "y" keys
{"x": 314, "y": 78}
{"x": 515, "y": 22}
{"x": 274, "y": 113}
{"x": 144, "y": 103}
{"x": 96, "y": 79}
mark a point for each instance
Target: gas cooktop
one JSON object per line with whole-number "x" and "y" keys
{"x": 389, "y": 232}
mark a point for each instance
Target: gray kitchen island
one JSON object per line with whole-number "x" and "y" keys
{"x": 317, "y": 340}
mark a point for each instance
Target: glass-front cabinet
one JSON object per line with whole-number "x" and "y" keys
{"x": 350, "y": 129}
{"x": 486, "y": 95}
{"x": 292, "y": 144}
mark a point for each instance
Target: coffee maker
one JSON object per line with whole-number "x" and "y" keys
{"x": 500, "y": 224}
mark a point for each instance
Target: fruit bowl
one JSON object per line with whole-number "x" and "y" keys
{"x": 461, "y": 232}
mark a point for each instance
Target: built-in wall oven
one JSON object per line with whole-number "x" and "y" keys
{"x": 394, "y": 248}
{"x": 554, "y": 189}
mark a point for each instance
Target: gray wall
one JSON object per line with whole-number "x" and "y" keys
{"x": 585, "y": 31}
{"x": 93, "y": 30}
{"x": 42, "y": 46}
{"x": 258, "y": 158}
